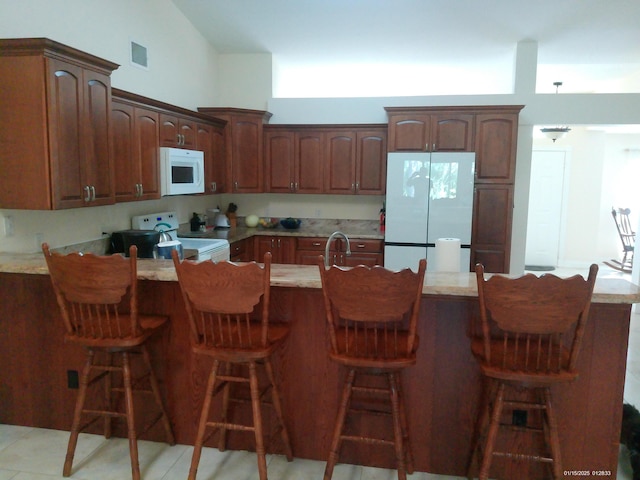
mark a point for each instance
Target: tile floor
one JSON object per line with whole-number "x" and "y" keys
{"x": 37, "y": 454}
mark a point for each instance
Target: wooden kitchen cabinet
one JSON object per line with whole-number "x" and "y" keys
{"x": 177, "y": 131}
{"x": 283, "y": 249}
{"x": 294, "y": 160}
{"x": 340, "y": 171}
{"x": 55, "y": 126}
{"x": 495, "y": 146}
{"x": 491, "y": 227}
{"x": 425, "y": 129}
{"x": 135, "y": 151}
{"x": 363, "y": 251}
{"x": 244, "y": 152}
{"x": 210, "y": 140}
{"x": 241, "y": 250}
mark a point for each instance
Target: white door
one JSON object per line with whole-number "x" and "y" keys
{"x": 545, "y": 207}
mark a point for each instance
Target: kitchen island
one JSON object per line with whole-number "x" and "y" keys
{"x": 441, "y": 390}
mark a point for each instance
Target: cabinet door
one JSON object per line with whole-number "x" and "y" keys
{"x": 146, "y": 137}
{"x": 491, "y": 230}
{"x": 65, "y": 98}
{"x": 495, "y": 147}
{"x": 409, "y": 133}
{"x": 279, "y": 161}
{"x": 246, "y": 168}
{"x": 96, "y": 136}
{"x": 452, "y": 133}
{"x": 309, "y": 168}
{"x": 340, "y": 173}
{"x": 241, "y": 251}
{"x": 371, "y": 162}
{"x": 210, "y": 140}
{"x": 124, "y": 152}
{"x": 177, "y": 131}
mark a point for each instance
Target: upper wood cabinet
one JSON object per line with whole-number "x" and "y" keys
{"x": 339, "y": 159}
{"x": 136, "y": 152}
{"x": 177, "y": 131}
{"x": 423, "y": 129}
{"x": 210, "y": 140}
{"x": 55, "y": 126}
{"x": 495, "y": 146}
{"x": 244, "y": 140}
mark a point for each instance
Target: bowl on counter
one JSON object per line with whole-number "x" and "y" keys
{"x": 268, "y": 222}
{"x": 290, "y": 223}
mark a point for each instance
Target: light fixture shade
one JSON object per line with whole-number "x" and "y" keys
{"x": 554, "y": 133}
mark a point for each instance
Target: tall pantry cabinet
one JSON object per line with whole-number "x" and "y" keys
{"x": 490, "y": 132}
{"x": 55, "y": 126}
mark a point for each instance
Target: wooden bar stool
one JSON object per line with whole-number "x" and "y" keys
{"x": 228, "y": 309}
{"x": 372, "y": 314}
{"x": 97, "y": 296}
{"x": 532, "y": 329}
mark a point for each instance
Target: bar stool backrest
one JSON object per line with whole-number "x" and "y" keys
{"x": 533, "y": 324}
{"x": 223, "y": 302}
{"x": 372, "y": 312}
{"x": 91, "y": 291}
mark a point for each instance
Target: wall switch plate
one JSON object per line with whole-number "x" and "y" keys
{"x": 9, "y": 229}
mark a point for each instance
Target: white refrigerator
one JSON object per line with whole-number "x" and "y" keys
{"x": 429, "y": 196}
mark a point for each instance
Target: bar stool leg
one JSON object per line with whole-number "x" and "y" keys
{"x": 131, "y": 425}
{"x": 481, "y": 424}
{"x": 226, "y": 391}
{"x": 257, "y": 421}
{"x": 278, "y": 408}
{"x": 554, "y": 441}
{"x": 337, "y": 433}
{"x": 493, "y": 433}
{"x": 77, "y": 414}
{"x": 204, "y": 414}
{"x": 156, "y": 393}
{"x": 405, "y": 428}
{"x": 108, "y": 400}
{"x": 397, "y": 428}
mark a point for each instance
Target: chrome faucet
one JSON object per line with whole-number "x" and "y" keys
{"x": 329, "y": 240}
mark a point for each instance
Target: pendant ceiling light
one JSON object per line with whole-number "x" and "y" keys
{"x": 554, "y": 133}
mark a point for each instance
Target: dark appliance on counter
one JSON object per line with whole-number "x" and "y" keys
{"x": 145, "y": 240}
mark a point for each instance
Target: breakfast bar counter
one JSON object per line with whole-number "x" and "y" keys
{"x": 441, "y": 390}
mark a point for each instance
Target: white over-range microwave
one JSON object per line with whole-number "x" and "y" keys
{"x": 181, "y": 171}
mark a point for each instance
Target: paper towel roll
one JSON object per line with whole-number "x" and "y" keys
{"x": 447, "y": 255}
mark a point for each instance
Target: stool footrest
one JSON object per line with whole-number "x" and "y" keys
{"x": 522, "y": 456}
{"x": 231, "y": 426}
{"x": 369, "y": 440}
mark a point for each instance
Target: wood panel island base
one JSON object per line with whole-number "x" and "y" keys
{"x": 441, "y": 391}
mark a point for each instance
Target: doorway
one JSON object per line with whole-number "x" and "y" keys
{"x": 546, "y": 209}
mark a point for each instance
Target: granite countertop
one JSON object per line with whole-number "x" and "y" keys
{"x": 365, "y": 229}
{"x": 607, "y": 289}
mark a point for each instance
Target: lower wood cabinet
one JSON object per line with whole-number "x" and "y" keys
{"x": 241, "y": 250}
{"x": 363, "y": 251}
{"x": 283, "y": 249}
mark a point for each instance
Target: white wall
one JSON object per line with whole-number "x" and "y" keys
{"x": 182, "y": 65}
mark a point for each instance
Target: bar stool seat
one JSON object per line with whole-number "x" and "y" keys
{"x": 372, "y": 315}
{"x": 92, "y": 295}
{"x": 228, "y": 309}
{"x": 531, "y": 333}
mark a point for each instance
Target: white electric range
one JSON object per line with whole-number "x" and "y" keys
{"x": 214, "y": 249}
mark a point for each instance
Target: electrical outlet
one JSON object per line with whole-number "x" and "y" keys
{"x": 73, "y": 380}
{"x": 9, "y": 229}
{"x": 39, "y": 240}
{"x": 519, "y": 418}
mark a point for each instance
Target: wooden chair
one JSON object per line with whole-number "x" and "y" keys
{"x": 97, "y": 296}
{"x": 372, "y": 315}
{"x": 228, "y": 309}
{"x": 532, "y": 329}
{"x": 627, "y": 238}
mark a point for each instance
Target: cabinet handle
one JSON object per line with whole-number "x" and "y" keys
{"x": 213, "y": 186}
{"x": 87, "y": 193}
{"x": 291, "y": 187}
{"x": 316, "y": 244}
{"x": 235, "y": 185}
{"x": 278, "y": 243}
{"x": 93, "y": 193}
{"x": 360, "y": 245}
{"x": 353, "y": 187}
{"x": 141, "y": 190}
{"x": 296, "y": 186}
{"x": 357, "y": 186}
{"x": 433, "y": 147}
